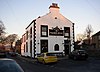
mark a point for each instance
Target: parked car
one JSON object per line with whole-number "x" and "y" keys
{"x": 78, "y": 54}
{"x": 47, "y": 58}
{"x": 9, "y": 65}
{"x": 13, "y": 53}
{"x": 2, "y": 54}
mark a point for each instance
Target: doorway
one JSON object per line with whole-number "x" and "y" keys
{"x": 31, "y": 48}
{"x": 66, "y": 47}
{"x": 44, "y": 46}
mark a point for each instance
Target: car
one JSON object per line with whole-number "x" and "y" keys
{"x": 78, "y": 54}
{"x": 9, "y": 65}
{"x": 47, "y": 58}
{"x": 2, "y": 54}
{"x": 13, "y": 53}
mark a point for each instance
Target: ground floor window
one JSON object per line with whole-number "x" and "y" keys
{"x": 56, "y": 47}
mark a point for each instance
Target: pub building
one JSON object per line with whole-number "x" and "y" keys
{"x": 51, "y": 33}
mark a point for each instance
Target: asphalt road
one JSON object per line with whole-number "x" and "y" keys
{"x": 35, "y": 67}
{"x": 67, "y": 65}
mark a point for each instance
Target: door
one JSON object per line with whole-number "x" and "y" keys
{"x": 66, "y": 47}
{"x": 44, "y": 46}
{"x": 31, "y": 48}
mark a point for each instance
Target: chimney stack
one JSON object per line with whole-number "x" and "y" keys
{"x": 54, "y": 7}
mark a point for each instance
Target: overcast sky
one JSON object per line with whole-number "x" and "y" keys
{"x": 17, "y": 14}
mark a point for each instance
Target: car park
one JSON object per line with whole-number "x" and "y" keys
{"x": 47, "y": 58}
{"x": 78, "y": 54}
{"x": 9, "y": 65}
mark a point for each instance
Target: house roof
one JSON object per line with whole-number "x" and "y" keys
{"x": 54, "y": 5}
{"x": 31, "y": 23}
{"x": 96, "y": 34}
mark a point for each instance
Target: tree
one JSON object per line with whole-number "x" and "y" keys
{"x": 2, "y": 39}
{"x": 80, "y": 37}
{"x": 18, "y": 46}
{"x": 89, "y": 30}
{"x": 2, "y": 28}
{"x": 11, "y": 38}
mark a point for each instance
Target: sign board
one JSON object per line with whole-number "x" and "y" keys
{"x": 56, "y": 31}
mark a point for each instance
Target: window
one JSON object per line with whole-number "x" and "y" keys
{"x": 26, "y": 34}
{"x": 24, "y": 38}
{"x": 50, "y": 54}
{"x": 99, "y": 43}
{"x": 42, "y": 55}
{"x": 31, "y": 32}
{"x": 30, "y": 46}
{"x": 99, "y": 37}
{"x": 67, "y": 32}
{"x": 44, "y": 31}
{"x": 56, "y": 47}
{"x": 26, "y": 47}
{"x": 99, "y": 46}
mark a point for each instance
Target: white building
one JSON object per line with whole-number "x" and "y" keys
{"x": 49, "y": 33}
{"x": 23, "y": 45}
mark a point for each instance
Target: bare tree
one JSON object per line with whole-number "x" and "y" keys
{"x": 80, "y": 37}
{"x": 2, "y": 28}
{"x": 2, "y": 39}
{"x": 11, "y": 38}
{"x": 89, "y": 30}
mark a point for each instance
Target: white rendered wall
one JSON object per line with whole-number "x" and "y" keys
{"x": 50, "y": 20}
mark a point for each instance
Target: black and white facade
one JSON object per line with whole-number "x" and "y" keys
{"x": 49, "y": 33}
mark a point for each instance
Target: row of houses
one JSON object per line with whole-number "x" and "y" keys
{"x": 16, "y": 47}
{"x": 92, "y": 45}
{"x": 94, "y": 41}
{"x": 49, "y": 33}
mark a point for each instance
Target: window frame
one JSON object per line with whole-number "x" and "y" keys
{"x": 65, "y": 29}
{"x": 98, "y": 37}
{"x": 26, "y": 46}
{"x": 56, "y": 48}
{"x": 31, "y": 32}
{"x": 46, "y": 26}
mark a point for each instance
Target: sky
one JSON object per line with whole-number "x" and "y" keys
{"x": 17, "y": 14}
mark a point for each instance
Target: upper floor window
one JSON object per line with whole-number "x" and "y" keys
{"x": 26, "y": 34}
{"x": 67, "y": 32}
{"x": 24, "y": 38}
{"x": 44, "y": 31}
{"x": 99, "y": 37}
{"x": 26, "y": 47}
{"x": 31, "y": 32}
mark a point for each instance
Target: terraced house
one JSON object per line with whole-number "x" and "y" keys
{"x": 96, "y": 41}
{"x": 49, "y": 33}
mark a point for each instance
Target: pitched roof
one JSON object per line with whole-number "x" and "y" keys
{"x": 98, "y": 33}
